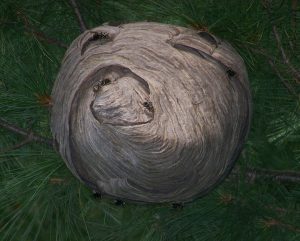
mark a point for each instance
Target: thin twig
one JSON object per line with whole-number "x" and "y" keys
{"x": 294, "y": 14}
{"x": 80, "y": 20}
{"x": 16, "y": 146}
{"x": 58, "y": 181}
{"x": 291, "y": 44}
{"x": 28, "y": 134}
{"x": 40, "y": 35}
{"x": 295, "y": 73}
{"x": 286, "y": 84}
{"x": 271, "y": 61}
{"x": 286, "y": 60}
{"x": 253, "y": 174}
{"x": 272, "y": 222}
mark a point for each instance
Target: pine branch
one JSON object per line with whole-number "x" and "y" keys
{"x": 80, "y": 20}
{"x": 29, "y": 135}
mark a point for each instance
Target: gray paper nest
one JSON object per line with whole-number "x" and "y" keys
{"x": 150, "y": 112}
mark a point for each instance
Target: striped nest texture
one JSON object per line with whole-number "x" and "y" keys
{"x": 150, "y": 112}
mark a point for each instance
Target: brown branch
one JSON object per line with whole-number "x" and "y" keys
{"x": 271, "y": 62}
{"x": 80, "y": 20}
{"x": 294, "y": 14}
{"x": 286, "y": 60}
{"x": 291, "y": 44}
{"x": 39, "y": 35}
{"x": 29, "y": 135}
{"x": 58, "y": 181}
{"x": 253, "y": 174}
{"x": 267, "y": 222}
{"x": 286, "y": 84}
{"x": 271, "y": 222}
{"x": 16, "y": 146}
{"x": 295, "y": 73}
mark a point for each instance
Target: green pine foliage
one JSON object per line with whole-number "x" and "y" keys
{"x": 41, "y": 200}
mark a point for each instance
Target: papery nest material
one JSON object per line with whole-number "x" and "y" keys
{"x": 150, "y": 112}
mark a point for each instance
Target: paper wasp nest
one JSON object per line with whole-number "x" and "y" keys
{"x": 150, "y": 112}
